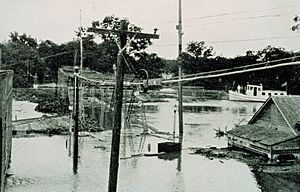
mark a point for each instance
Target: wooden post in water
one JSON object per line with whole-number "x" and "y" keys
{"x": 0, "y": 58}
{"x": 123, "y": 33}
{"x": 174, "y": 124}
{"x": 118, "y": 101}
{"x": 76, "y": 119}
{"x": 180, "y": 112}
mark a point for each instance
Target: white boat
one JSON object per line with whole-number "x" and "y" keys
{"x": 253, "y": 93}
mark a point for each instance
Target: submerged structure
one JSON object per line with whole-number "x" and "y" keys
{"x": 273, "y": 130}
{"x": 5, "y": 122}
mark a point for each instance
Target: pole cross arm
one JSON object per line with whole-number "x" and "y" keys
{"x": 128, "y": 33}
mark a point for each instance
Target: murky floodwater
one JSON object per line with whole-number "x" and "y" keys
{"x": 24, "y": 110}
{"x": 44, "y": 163}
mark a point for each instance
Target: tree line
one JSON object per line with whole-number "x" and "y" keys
{"x": 199, "y": 57}
{"x": 29, "y": 57}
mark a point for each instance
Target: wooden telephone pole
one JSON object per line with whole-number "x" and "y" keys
{"x": 76, "y": 119}
{"x": 180, "y": 112}
{"x": 0, "y": 58}
{"x": 123, "y": 33}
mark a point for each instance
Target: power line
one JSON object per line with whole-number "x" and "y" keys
{"x": 233, "y": 41}
{"x": 208, "y": 18}
{"x": 45, "y": 57}
{"x": 231, "y": 71}
{"x": 254, "y": 39}
{"x": 243, "y": 67}
{"x": 259, "y": 17}
{"x": 225, "y": 73}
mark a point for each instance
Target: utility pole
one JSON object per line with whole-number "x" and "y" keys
{"x": 0, "y": 58}
{"x": 118, "y": 101}
{"x": 81, "y": 46}
{"x": 123, "y": 33}
{"x": 180, "y": 112}
{"x": 76, "y": 119}
{"x": 75, "y": 57}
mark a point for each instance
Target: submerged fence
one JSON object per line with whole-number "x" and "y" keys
{"x": 95, "y": 97}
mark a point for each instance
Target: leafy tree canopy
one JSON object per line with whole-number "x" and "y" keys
{"x": 296, "y": 25}
{"x": 114, "y": 23}
{"x": 199, "y": 49}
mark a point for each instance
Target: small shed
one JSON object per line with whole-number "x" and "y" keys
{"x": 273, "y": 130}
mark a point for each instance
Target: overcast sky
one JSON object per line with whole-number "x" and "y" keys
{"x": 231, "y": 26}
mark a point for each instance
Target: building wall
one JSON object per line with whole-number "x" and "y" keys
{"x": 271, "y": 117}
{"x": 289, "y": 147}
{"x": 5, "y": 123}
{"x": 248, "y": 144}
{"x": 284, "y": 148}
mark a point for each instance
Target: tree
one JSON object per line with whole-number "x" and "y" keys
{"x": 114, "y": 23}
{"x": 151, "y": 62}
{"x": 134, "y": 53}
{"x": 197, "y": 57}
{"x": 270, "y": 53}
{"x": 198, "y": 49}
{"x": 296, "y": 26}
{"x": 20, "y": 54}
{"x": 46, "y": 49}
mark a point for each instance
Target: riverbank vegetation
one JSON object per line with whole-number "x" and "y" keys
{"x": 34, "y": 60}
{"x": 47, "y": 99}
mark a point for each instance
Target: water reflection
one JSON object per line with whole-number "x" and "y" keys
{"x": 201, "y": 109}
{"x": 46, "y": 162}
{"x": 75, "y": 183}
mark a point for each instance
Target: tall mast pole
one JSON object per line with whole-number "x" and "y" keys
{"x": 81, "y": 47}
{"x": 180, "y": 113}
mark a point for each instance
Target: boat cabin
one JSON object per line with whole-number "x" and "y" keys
{"x": 257, "y": 90}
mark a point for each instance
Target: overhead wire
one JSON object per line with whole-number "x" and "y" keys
{"x": 209, "y": 18}
{"x": 236, "y": 40}
{"x": 229, "y": 71}
{"x": 231, "y": 20}
{"x": 45, "y": 57}
{"x": 243, "y": 67}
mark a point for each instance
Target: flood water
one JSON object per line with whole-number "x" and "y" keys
{"x": 45, "y": 164}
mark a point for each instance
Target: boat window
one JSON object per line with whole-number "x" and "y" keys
{"x": 281, "y": 94}
{"x": 251, "y": 88}
{"x": 269, "y": 94}
{"x": 275, "y": 93}
{"x": 263, "y": 93}
{"x": 258, "y": 89}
